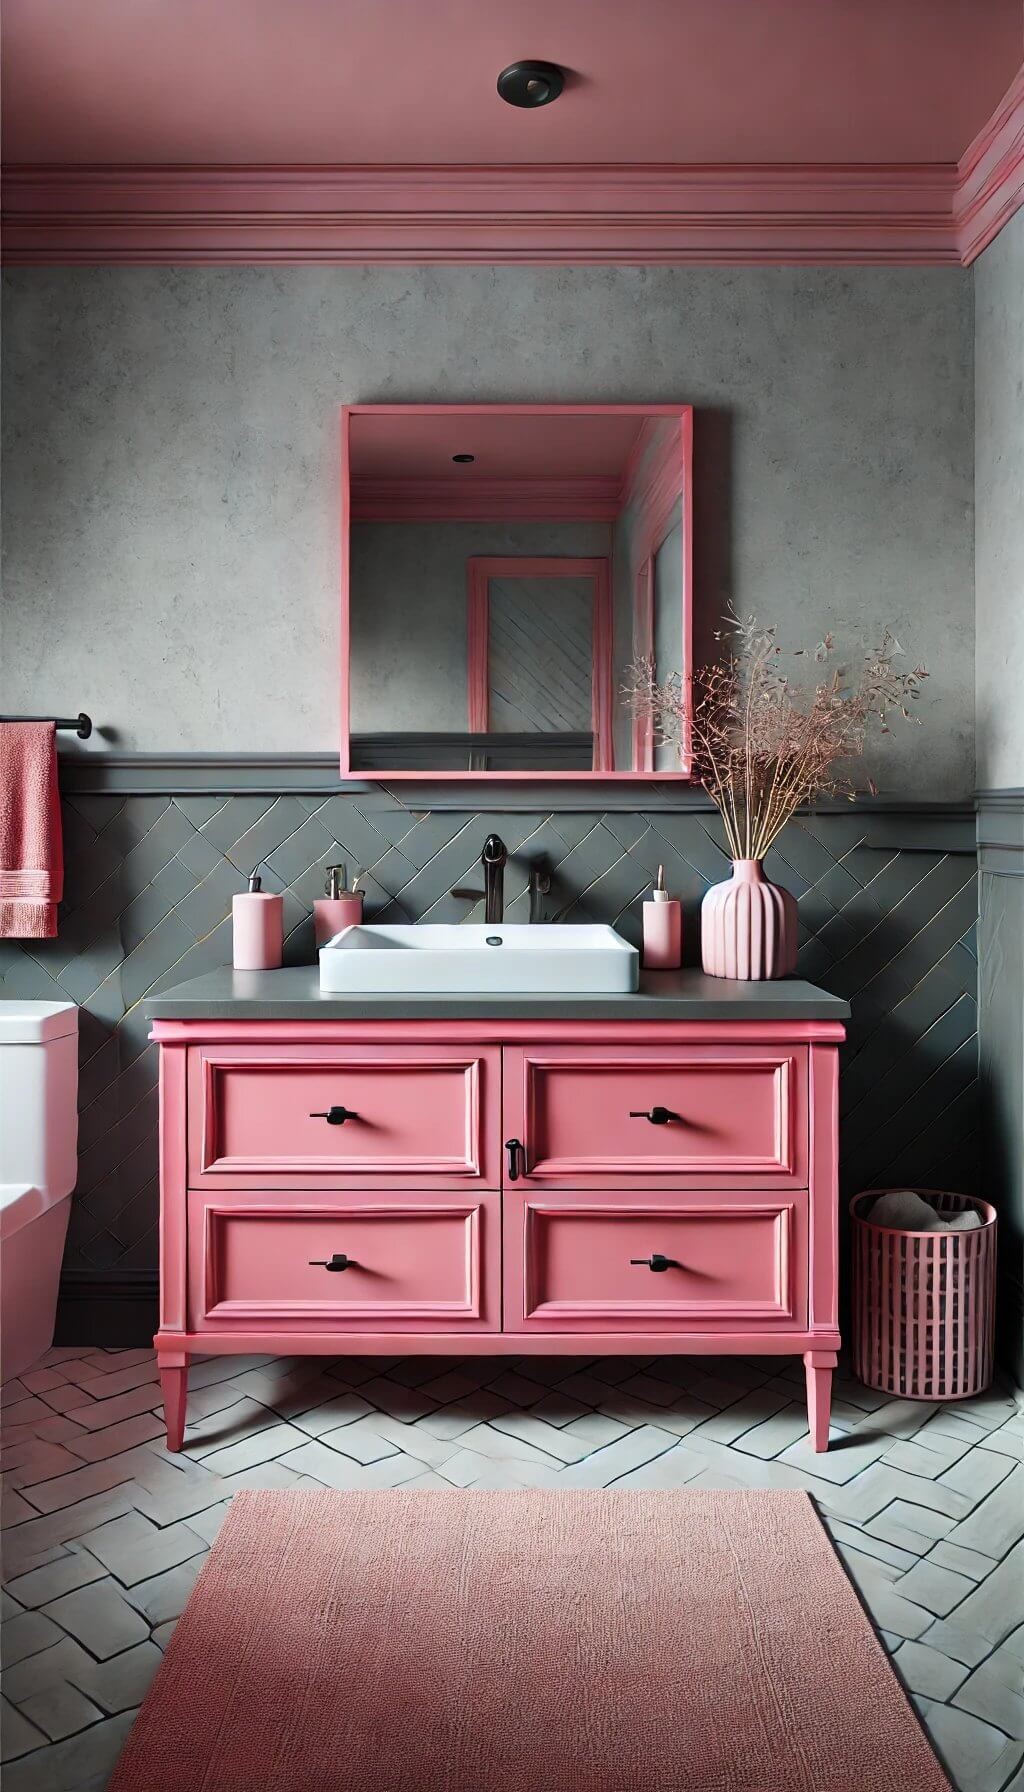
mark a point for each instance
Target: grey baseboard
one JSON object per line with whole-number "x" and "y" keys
{"x": 1001, "y": 832}
{"x": 96, "y": 773}
{"x": 908, "y": 823}
{"x": 113, "y": 1309}
{"x": 84, "y": 773}
{"x": 375, "y": 755}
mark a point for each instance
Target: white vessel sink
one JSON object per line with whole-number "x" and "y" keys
{"x": 467, "y": 959}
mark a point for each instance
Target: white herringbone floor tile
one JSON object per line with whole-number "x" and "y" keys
{"x": 105, "y": 1533}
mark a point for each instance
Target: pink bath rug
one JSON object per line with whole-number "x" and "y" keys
{"x": 465, "y": 1641}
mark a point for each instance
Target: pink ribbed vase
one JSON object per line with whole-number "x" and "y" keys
{"x": 748, "y": 926}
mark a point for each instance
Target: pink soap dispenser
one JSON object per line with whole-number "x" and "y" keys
{"x": 257, "y": 928}
{"x": 341, "y": 907}
{"x": 663, "y": 929}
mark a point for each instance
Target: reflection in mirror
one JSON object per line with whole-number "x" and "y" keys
{"x": 539, "y": 651}
{"x": 504, "y": 568}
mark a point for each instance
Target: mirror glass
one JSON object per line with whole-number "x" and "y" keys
{"x": 504, "y": 570}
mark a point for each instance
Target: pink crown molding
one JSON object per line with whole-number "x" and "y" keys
{"x": 572, "y": 498}
{"x": 991, "y": 183}
{"x": 561, "y": 215}
{"x": 616, "y": 214}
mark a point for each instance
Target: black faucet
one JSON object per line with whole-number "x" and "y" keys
{"x": 493, "y": 859}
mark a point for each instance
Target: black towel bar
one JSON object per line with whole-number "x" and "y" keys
{"x": 82, "y": 724}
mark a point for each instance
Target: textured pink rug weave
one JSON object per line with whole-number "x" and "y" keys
{"x": 524, "y": 1642}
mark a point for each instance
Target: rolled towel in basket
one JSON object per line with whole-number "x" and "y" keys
{"x": 906, "y": 1211}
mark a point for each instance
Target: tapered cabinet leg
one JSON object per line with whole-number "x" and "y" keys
{"x": 818, "y": 1367}
{"x": 174, "y": 1387}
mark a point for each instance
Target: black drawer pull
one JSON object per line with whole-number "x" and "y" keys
{"x": 656, "y": 1262}
{"x": 336, "y": 1116}
{"x": 656, "y": 1116}
{"x": 338, "y": 1261}
{"x": 515, "y": 1159}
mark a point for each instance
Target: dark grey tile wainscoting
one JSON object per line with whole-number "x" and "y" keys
{"x": 156, "y": 849}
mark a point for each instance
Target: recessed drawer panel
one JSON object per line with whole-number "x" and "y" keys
{"x": 342, "y": 1116}
{"x": 602, "y": 1117}
{"x": 353, "y": 1265}
{"x": 699, "y": 1263}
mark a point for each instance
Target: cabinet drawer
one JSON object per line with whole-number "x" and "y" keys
{"x": 419, "y": 1116}
{"x": 411, "y": 1265}
{"x": 601, "y": 1117}
{"x": 585, "y": 1262}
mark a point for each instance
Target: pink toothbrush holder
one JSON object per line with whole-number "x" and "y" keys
{"x": 663, "y": 930}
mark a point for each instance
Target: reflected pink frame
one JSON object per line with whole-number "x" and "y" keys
{"x": 482, "y": 569}
{"x": 684, "y": 414}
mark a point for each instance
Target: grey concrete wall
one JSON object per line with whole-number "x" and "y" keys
{"x": 408, "y": 604}
{"x": 668, "y": 622}
{"x": 171, "y": 489}
{"x": 999, "y": 498}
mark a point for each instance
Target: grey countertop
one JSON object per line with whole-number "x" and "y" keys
{"x": 294, "y": 994}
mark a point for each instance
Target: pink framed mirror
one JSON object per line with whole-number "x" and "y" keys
{"x": 503, "y": 566}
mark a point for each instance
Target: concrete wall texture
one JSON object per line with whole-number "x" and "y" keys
{"x": 171, "y": 491}
{"x": 999, "y": 422}
{"x": 999, "y": 496}
{"x": 409, "y": 608}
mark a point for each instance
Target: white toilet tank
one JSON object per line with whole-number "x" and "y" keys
{"x": 39, "y": 1096}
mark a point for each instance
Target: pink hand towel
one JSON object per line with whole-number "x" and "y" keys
{"x": 31, "y": 846}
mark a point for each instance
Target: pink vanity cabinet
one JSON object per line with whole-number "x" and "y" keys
{"x": 645, "y": 1174}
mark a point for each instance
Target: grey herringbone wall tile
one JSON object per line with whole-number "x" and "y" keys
{"x": 149, "y": 887}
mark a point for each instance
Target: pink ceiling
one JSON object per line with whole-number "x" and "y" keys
{"x": 412, "y": 81}
{"x": 506, "y": 445}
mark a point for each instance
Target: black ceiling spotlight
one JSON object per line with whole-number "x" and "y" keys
{"x": 463, "y": 459}
{"x": 531, "y": 84}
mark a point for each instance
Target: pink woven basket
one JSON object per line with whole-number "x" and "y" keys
{"x": 924, "y": 1302}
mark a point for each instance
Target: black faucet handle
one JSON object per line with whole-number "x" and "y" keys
{"x": 540, "y": 886}
{"x": 495, "y": 852}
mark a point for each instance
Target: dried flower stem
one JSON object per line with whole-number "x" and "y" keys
{"x": 761, "y": 746}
